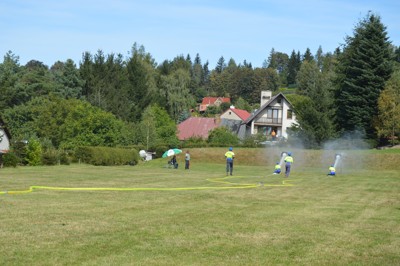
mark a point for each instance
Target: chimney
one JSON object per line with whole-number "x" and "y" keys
{"x": 217, "y": 120}
{"x": 265, "y": 97}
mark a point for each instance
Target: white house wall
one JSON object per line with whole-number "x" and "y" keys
{"x": 286, "y": 123}
{"x": 230, "y": 115}
{"x": 4, "y": 143}
{"x": 283, "y": 108}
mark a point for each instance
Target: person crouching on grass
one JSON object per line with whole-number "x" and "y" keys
{"x": 277, "y": 169}
{"x": 332, "y": 171}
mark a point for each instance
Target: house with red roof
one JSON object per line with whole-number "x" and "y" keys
{"x": 235, "y": 114}
{"x": 233, "y": 119}
{"x": 212, "y": 101}
{"x": 196, "y": 127}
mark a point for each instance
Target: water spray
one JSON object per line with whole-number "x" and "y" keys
{"x": 337, "y": 159}
{"x": 283, "y": 155}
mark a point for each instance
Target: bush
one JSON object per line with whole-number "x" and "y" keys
{"x": 10, "y": 159}
{"x": 222, "y": 136}
{"x": 34, "y": 152}
{"x": 159, "y": 150}
{"x": 194, "y": 142}
{"x": 20, "y": 149}
{"x": 54, "y": 157}
{"x": 50, "y": 157}
{"x": 65, "y": 159}
{"x": 253, "y": 141}
{"x": 107, "y": 156}
{"x": 137, "y": 147}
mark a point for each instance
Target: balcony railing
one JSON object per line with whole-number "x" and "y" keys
{"x": 265, "y": 120}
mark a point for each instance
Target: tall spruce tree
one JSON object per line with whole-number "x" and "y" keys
{"x": 142, "y": 85}
{"x": 308, "y": 55}
{"x": 196, "y": 74}
{"x": 279, "y": 61}
{"x": 397, "y": 54}
{"x": 293, "y": 67}
{"x": 9, "y": 70}
{"x": 221, "y": 65}
{"x": 66, "y": 75}
{"x": 364, "y": 67}
{"x": 319, "y": 57}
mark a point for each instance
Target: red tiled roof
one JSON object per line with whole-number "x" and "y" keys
{"x": 212, "y": 100}
{"x": 196, "y": 127}
{"x": 243, "y": 114}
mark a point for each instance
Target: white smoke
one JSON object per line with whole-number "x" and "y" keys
{"x": 344, "y": 153}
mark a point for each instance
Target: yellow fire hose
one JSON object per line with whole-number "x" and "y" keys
{"x": 223, "y": 180}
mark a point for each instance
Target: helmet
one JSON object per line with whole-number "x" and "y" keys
{"x": 230, "y": 148}
{"x": 277, "y": 162}
{"x": 332, "y": 165}
{"x": 289, "y": 153}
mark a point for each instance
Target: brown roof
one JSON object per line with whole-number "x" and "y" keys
{"x": 196, "y": 127}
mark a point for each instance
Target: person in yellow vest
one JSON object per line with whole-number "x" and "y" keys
{"x": 288, "y": 163}
{"x": 332, "y": 170}
{"x": 229, "y": 155}
{"x": 277, "y": 169}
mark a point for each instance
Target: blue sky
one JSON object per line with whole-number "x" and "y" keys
{"x": 57, "y": 30}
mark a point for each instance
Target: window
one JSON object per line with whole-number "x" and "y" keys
{"x": 273, "y": 113}
{"x": 289, "y": 114}
{"x": 279, "y": 100}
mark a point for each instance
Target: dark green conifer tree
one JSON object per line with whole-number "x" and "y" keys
{"x": 293, "y": 67}
{"x": 9, "y": 71}
{"x": 221, "y": 65}
{"x": 364, "y": 66}
{"x": 308, "y": 55}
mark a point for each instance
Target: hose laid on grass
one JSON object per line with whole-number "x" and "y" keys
{"x": 222, "y": 180}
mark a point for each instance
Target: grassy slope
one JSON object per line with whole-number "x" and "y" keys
{"x": 353, "y": 218}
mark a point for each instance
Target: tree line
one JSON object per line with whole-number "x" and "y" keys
{"x": 117, "y": 100}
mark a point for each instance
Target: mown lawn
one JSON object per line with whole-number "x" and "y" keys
{"x": 351, "y": 219}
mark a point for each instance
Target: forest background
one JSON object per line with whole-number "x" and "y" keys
{"x": 115, "y": 100}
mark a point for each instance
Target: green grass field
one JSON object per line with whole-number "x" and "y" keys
{"x": 150, "y": 215}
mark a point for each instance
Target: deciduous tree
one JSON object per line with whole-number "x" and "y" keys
{"x": 314, "y": 112}
{"x": 388, "y": 120}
